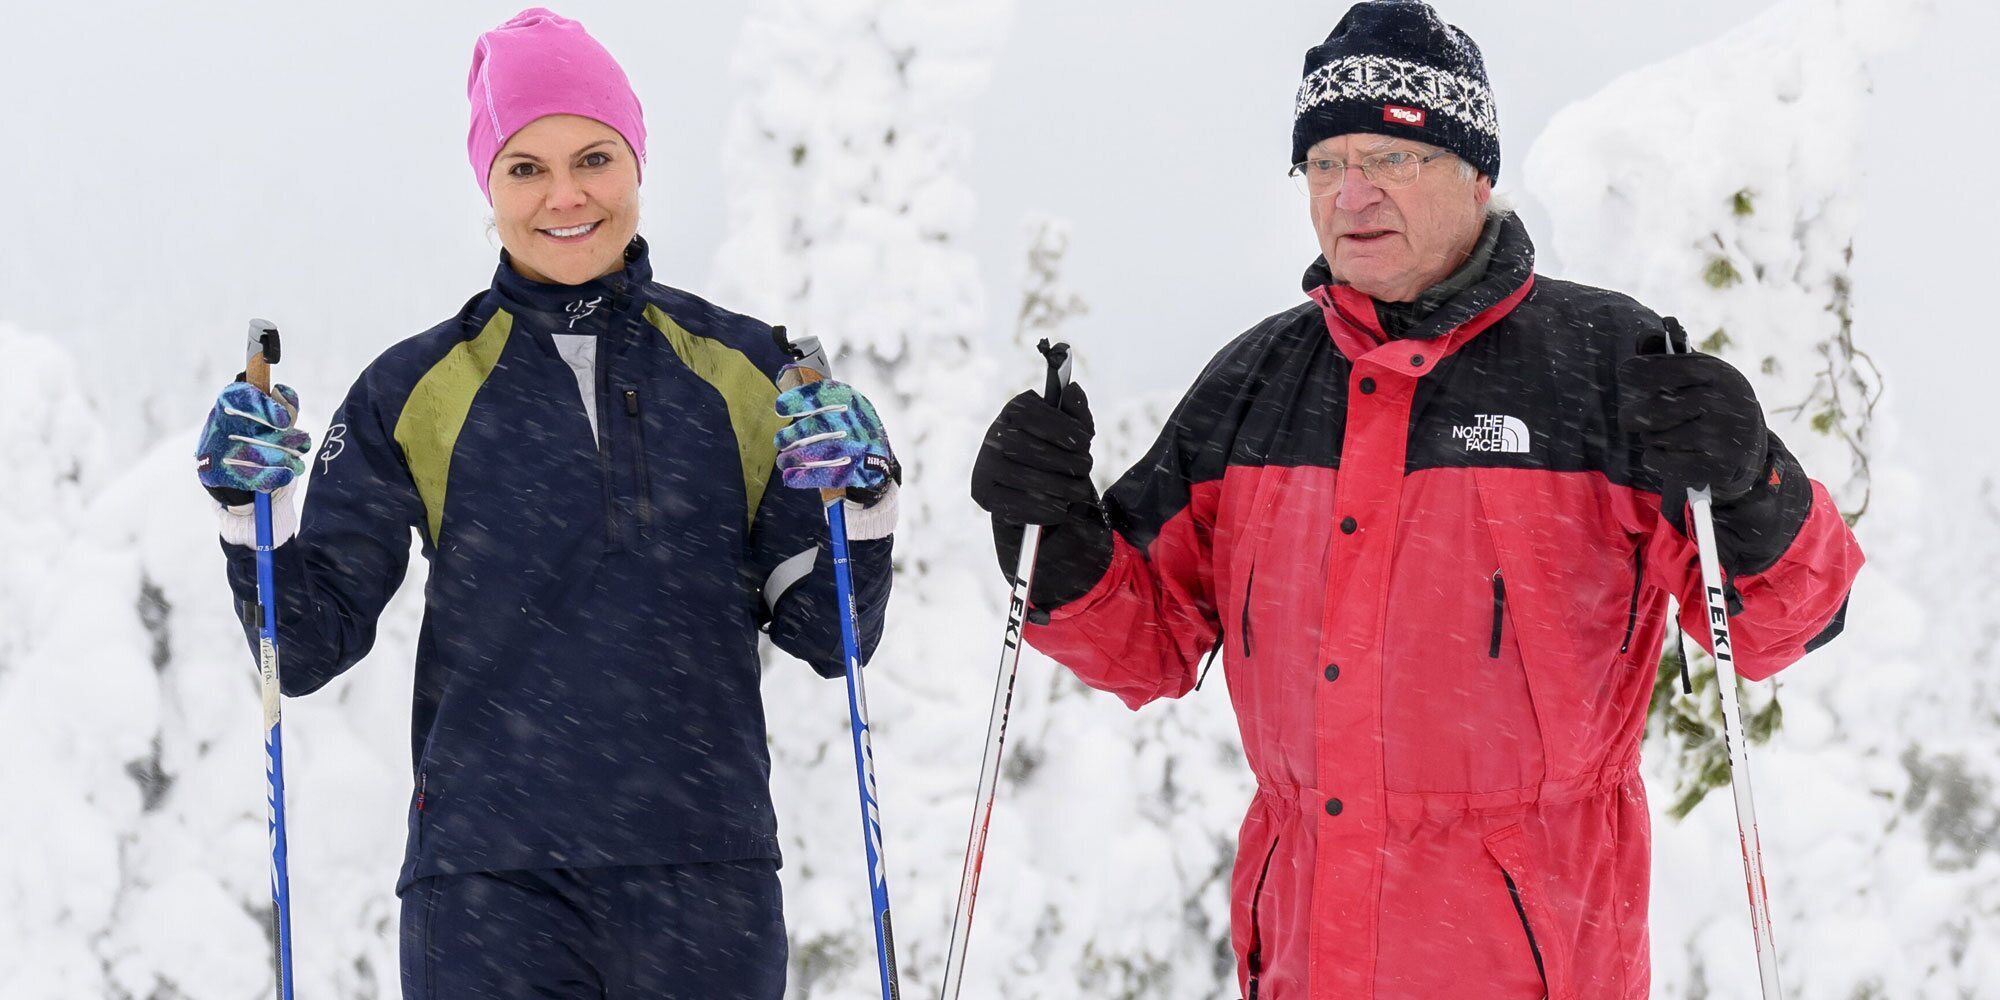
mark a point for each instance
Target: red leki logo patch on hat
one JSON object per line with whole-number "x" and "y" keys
{"x": 1402, "y": 115}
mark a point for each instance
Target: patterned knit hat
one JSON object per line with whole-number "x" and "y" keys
{"x": 1393, "y": 67}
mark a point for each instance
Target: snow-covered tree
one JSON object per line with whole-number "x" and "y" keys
{"x": 1722, "y": 186}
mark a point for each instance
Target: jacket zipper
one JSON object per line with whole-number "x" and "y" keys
{"x": 1499, "y": 614}
{"x": 1249, "y": 585}
{"x": 1255, "y": 957}
{"x": 611, "y": 532}
{"x": 1522, "y": 911}
{"x": 1632, "y": 610}
{"x": 643, "y": 485}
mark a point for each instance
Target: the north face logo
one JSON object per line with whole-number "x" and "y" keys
{"x": 1493, "y": 432}
{"x": 1402, "y": 115}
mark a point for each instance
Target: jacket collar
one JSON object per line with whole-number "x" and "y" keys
{"x": 567, "y": 307}
{"x": 1513, "y": 265}
{"x": 1351, "y": 319}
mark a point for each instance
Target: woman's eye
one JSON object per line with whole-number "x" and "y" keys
{"x": 521, "y": 170}
{"x": 596, "y": 159}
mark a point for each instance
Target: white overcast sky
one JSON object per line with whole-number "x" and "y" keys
{"x": 173, "y": 168}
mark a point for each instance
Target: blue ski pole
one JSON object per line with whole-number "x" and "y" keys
{"x": 263, "y": 353}
{"x": 812, "y": 360}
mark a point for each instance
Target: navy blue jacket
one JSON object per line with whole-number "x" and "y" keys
{"x": 587, "y": 671}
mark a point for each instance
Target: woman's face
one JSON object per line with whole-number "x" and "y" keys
{"x": 565, "y": 199}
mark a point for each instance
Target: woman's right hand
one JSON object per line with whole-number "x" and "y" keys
{"x": 249, "y": 444}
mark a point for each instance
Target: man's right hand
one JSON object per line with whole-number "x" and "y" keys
{"x": 249, "y": 444}
{"x": 1034, "y": 468}
{"x": 1035, "y": 461}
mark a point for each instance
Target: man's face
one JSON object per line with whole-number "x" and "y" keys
{"x": 1391, "y": 244}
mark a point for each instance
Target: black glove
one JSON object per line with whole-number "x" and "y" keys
{"x": 1696, "y": 422}
{"x": 1034, "y": 468}
{"x": 1695, "y": 419}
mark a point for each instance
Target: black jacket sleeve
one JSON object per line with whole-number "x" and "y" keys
{"x": 791, "y": 561}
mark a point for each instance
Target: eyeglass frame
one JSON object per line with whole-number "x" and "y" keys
{"x": 1304, "y": 182}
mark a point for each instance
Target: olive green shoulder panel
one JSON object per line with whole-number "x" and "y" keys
{"x": 428, "y": 427}
{"x": 749, "y": 394}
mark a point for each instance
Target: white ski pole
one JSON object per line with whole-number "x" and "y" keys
{"x": 1700, "y": 505}
{"x": 996, "y": 722}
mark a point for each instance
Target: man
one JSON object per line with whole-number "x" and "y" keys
{"x": 1432, "y": 517}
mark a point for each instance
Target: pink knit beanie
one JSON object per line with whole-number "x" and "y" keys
{"x": 539, "y": 64}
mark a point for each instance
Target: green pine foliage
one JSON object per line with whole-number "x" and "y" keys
{"x": 1690, "y": 725}
{"x": 1721, "y": 273}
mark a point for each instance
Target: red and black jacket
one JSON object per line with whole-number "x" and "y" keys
{"x": 1439, "y": 577}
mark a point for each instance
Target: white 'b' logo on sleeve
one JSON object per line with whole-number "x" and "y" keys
{"x": 336, "y": 442}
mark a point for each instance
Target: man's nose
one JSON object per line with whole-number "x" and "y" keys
{"x": 1356, "y": 191}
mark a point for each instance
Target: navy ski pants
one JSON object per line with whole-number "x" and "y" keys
{"x": 652, "y": 932}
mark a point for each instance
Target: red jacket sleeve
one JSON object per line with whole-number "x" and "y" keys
{"x": 1141, "y": 631}
{"x": 1789, "y": 608}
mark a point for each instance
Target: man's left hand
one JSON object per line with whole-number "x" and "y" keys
{"x": 834, "y": 441}
{"x": 1696, "y": 421}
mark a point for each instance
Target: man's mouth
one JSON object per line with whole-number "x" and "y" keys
{"x": 1368, "y": 235}
{"x": 571, "y": 234}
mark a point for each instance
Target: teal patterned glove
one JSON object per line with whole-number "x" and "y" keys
{"x": 249, "y": 444}
{"x": 835, "y": 441}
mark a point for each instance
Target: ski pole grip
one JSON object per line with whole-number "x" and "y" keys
{"x": 808, "y": 366}
{"x": 263, "y": 351}
{"x": 1676, "y": 332}
{"x": 1057, "y": 355}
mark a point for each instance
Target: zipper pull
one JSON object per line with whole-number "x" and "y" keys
{"x": 631, "y": 402}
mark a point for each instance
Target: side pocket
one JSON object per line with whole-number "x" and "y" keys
{"x": 1632, "y": 609}
{"x": 1499, "y": 614}
{"x": 1249, "y": 590}
{"x": 1253, "y": 958}
{"x": 1528, "y": 927}
{"x": 1509, "y": 850}
{"x": 431, "y": 893}
{"x": 417, "y": 939}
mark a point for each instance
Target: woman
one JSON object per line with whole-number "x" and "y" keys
{"x": 587, "y": 458}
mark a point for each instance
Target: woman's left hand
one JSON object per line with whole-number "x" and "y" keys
{"x": 834, "y": 441}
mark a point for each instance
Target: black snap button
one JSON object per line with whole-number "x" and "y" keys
{"x": 1038, "y": 617}
{"x": 1347, "y": 526}
{"x": 1367, "y": 385}
{"x": 1333, "y": 671}
{"x": 1333, "y": 807}
{"x": 1416, "y": 361}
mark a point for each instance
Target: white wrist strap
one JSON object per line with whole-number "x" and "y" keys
{"x": 877, "y": 520}
{"x": 238, "y": 525}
